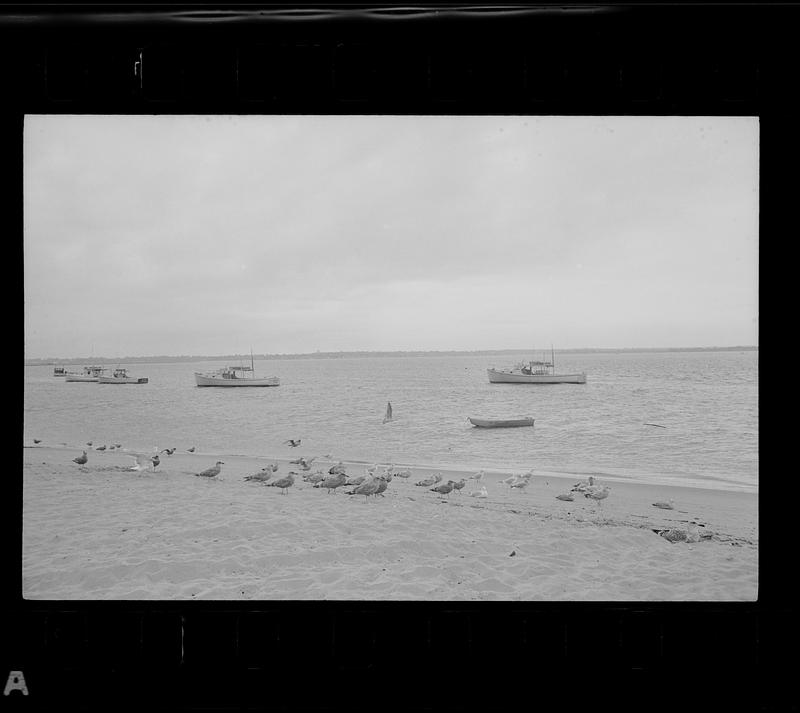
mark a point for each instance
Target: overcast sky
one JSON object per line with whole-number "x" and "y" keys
{"x": 208, "y": 235}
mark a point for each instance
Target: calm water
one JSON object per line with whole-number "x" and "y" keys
{"x": 708, "y": 402}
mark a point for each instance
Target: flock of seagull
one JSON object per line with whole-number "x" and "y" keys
{"x": 373, "y": 482}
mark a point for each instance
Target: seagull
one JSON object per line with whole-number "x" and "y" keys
{"x": 437, "y": 477}
{"x": 314, "y": 477}
{"x": 402, "y": 473}
{"x": 112, "y": 448}
{"x": 388, "y": 416}
{"x": 522, "y": 482}
{"x": 597, "y": 494}
{"x": 80, "y": 460}
{"x": 383, "y": 483}
{"x": 668, "y": 505}
{"x": 37, "y": 440}
{"x": 338, "y": 468}
{"x": 368, "y": 488}
{"x": 582, "y": 485}
{"x": 332, "y": 482}
{"x": 212, "y": 472}
{"x": 674, "y": 535}
{"x": 509, "y": 480}
{"x": 274, "y": 467}
{"x": 482, "y": 493}
{"x": 100, "y": 448}
{"x": 569, "y": 497}
{"x": 426, "y": 481}
{"x": 293, "y": 442}
{"x": 444, "y": 488}
{"x": 262, "y": 476}
{"x": 118, "y": 445}
{"x": 190, "y": 450}
{"x": 144, "y": 462}
{"x": 355, "y": 480}
{"x": 168, "y": 451}
{"x": 155, "y": 460}
{"x": 477, "y": 477}
{"x": 88, "y": 443}
{"x": 460, "y": 484}
{"x": 283, "y": 483}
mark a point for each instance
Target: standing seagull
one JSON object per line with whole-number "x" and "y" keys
{"x": 262, "y": 476}
{"x": 388, "y": 416}
{"x": 100, "y": 448}
{"x": 80, "y": 460}
{"x": 144, "y": 462}
{"x": 283, "y": 483}
{"x": 155, "y": 460}
{"x": 190, "y": 450}
{"x": 365, "y": 489}
{"x": 211, "y": 472}
{"x": 460, "y": 484}
{"x": 597, "y": 494}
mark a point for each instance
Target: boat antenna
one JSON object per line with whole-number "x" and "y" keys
{"x": 252, "y": 370}
{"x": 552, "y": 357}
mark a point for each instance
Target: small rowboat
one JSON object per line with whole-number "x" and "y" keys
{"x": 501, "y": 422}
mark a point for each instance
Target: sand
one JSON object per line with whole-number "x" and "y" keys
{"x": 101, "y": 532}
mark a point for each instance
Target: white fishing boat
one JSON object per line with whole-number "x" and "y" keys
{"x": 62, "y": 371}
{"x": 513, "y": 422}
{"x": 534, "y": 372}
{"x": 234, "y": 376}
{"x": 120, "y": 376}
{"x": 89, "y": 373}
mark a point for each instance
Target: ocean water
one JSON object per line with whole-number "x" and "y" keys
{"x": 708, "y": 402}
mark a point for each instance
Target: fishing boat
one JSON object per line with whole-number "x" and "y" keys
{"x": 234, "y": 376}
{"x": 120, "y": 376}
{"x": 534, "y": 372}
{"x": 62, "y": 371}
{"x": 89, "y": 373}
{"x": 513, "y": 422}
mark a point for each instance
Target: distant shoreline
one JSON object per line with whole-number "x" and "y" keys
{"x": 52, "y": 361}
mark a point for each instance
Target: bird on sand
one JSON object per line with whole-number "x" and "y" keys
{"x": 112, "y": 447}
{"x": 303, "y": 462}
{"x": 331, "y": 482}
{"x": 569, "y": 497}
{"x": 668, "y": 505}
{"x": 507, "y": 481}
{"x": 80, "y": 460}
{"x": 293, "y": 442}
{"x": 355, "y": 480}
{"x": 212, "y": 472}
{"x": 426, "y": 481}
{"x": 383, "y": 483}
{"x": 144, "y": 462}
{"x": 370, "y": 487}
{"x": 458, "y": 485}
{"x": 37, "y": 440}
{"x": 582, "y": 485}
{"x": 190, "y": 450}
{"x": 597, "y": 494}
{"x": 155, "y": 460}
{"x": 314, "y": 477}
{"x": 283, "y": 483}
{"x": 405, "y": 473}
{"x": 444, "y": 488}
{"x": 477, "y": 477}
{"x": 100, "y": 448}
{"x": 118, "y": 445}
{"x": 482, "y": 493}
{"x": 168, "y": 451}
{"x": 522, "y": 481}
{"x": 338, "y": 468}
{"x": 88, "y": 443}
{"x": 262, "y": 476}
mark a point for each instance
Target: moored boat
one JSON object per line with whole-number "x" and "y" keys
{"x": 120, "y": 376}
{"x": 513, "y": 422}
{"x": 62, "y": 371}
{"x": 89, "y": 373}
{"x": 534, "y": 372}
{"x": 235, "y": 376}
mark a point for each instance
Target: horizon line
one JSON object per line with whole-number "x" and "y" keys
{"x": 380, "y": 352}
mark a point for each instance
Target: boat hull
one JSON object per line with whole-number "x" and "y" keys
{"x": 514, "y": 377}
{"x": 126, "y": 380}
{"x": 82, "y": 378}
{"x": 206, "y": 380}
{"x": 501, "y": 422}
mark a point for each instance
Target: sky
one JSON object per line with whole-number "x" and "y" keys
{"x": 206, "y": 235}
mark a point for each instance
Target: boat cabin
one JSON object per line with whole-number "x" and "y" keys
{"x": 120, "y": 373}
{"x": 536, "y": 367}
{"x": 229, "y": 372}
{"x": 93, "y": 370}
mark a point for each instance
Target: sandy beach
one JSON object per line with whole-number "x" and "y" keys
{"x": 100, "y": 531}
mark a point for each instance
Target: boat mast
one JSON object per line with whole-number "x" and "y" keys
{"x": 552, "y": 357}
{"x": 252, "y": 370}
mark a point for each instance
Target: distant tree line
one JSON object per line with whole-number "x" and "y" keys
{"x": 347, "y": 355}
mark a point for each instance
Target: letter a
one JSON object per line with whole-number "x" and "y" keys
{"x": 16, "y": 682}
